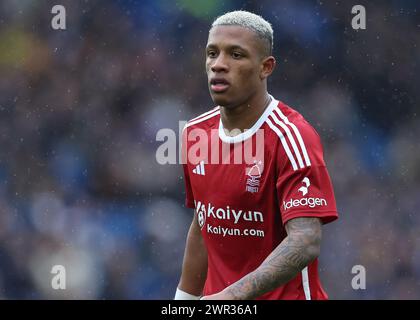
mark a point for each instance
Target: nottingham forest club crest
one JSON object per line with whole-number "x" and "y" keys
{"x": 253, "y": 175}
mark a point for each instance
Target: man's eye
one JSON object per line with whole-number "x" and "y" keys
{"x": 211, "y": 54}
{"x": 236, "y": 55}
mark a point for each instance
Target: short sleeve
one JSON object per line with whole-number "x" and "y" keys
{"x": 307, "y": 193}
{"x": 189, "y": 197}
{"x": 307, "y": 190}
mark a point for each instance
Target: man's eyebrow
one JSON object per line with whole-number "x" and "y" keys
{"x": 210, "y": 45}
{"x": 229, "y": 47}
{"x": 236, "y": 46}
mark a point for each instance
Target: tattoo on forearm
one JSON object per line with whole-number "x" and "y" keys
{"x": 294, "y": 253}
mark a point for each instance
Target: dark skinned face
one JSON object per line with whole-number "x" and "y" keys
{"x": 234, "y": 65}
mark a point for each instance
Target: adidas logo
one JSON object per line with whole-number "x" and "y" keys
{"x": 199, "y": 169}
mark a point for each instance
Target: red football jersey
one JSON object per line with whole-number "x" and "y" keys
{"x": 245, "y": 188}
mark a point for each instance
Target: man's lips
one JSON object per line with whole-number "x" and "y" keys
{"x": 219, "y": 85}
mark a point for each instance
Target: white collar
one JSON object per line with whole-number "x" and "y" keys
{"x": 249, "y": 132}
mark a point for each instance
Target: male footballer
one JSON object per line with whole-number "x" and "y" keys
{"x": 257, "y": 226}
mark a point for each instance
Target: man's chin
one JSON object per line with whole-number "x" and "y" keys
{"x": 221, "y": 99}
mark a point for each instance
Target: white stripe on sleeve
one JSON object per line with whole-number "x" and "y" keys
{"x": 298, "y": 135}
{"x": 284, "y": 143}
{"x": 291, "y": 139}
{"x": 305, "y": 283}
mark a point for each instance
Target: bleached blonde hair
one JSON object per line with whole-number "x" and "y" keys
{"x": 250, "y": 21}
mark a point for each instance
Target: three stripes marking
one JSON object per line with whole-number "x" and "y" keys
{"x": 277, "y": 120}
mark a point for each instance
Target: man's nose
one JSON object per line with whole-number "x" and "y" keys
{"x": 220, "y": 64}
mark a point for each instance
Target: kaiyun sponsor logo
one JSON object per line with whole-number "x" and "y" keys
{"x": 205, "y": 211}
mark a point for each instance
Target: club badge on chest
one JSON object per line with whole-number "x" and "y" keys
{"x": 253, "y": 176}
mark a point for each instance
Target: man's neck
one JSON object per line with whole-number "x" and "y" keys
{"x": 244, "y": 116}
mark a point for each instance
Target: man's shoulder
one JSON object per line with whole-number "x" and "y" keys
{"x": 300, "y": 142}
{"x": 205, "y": 120}
{"x": 289, "y": 119}
{"x": 290, "y": 114}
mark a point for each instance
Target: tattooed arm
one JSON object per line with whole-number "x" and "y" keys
{"x": 295, "y": 252}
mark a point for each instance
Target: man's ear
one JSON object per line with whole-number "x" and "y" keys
{"x": 267, "y": 67}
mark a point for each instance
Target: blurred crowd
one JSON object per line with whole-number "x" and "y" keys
{"x": 80, "y": 108}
